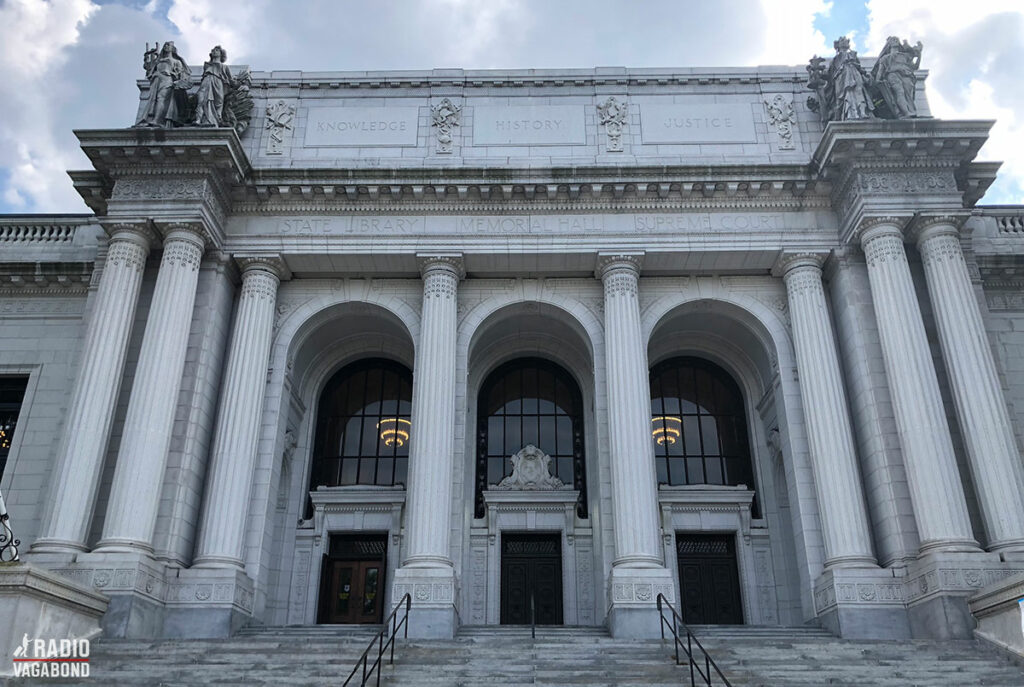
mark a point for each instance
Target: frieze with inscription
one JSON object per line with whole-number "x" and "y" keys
{"x": 565, "y": 225}
{"x": 362, "y": 126}
{"x": 687, "y": 123}
{"x": 529, "y": 125}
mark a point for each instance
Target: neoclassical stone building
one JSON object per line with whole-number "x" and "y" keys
{"x": 568, "y": 339}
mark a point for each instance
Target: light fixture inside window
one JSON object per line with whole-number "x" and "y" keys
{"x": 667, "y": 428}
{"x": 394, "y": 431}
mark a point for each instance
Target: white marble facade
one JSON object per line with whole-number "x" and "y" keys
{"x": 177, "y": 342}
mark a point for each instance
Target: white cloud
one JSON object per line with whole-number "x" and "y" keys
{"x": 73, "y": 64}
{"x": 34, "y": 38}
{"x": 790, "y": 36}
{"x": 973, "y": 54}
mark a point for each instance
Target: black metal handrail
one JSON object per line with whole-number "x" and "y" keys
{"x": 691, "y": 639}
{"x": 533, "y": 618}
{"x": 394, "y": 624}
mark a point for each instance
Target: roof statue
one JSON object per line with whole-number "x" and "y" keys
{"x": 845, "y": 90}
{"x": 219, "y": 99}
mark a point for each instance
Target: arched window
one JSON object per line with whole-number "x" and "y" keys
{"x": 363, "y": 426}
{"x": 530, "y": 401}
{"x": 698, "y": 425}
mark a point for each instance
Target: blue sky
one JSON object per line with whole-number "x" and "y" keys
{"x": 73, "y": 63}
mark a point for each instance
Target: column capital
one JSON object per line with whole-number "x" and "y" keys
{"x": 617, "y": 262}
{"x": 441, "y": 262}
{"x": 272, "y": 264}
{"x": 925, "y": 225}
{"x": 137, "y": 231}
{"x": 871, "y": 226}
{"x": 791, "y": 260}
{"x": 188, "y": 229}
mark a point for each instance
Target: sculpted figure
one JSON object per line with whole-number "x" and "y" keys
{"x": 212, "y": 89}
{"x": 848, "y": 84}
{"x": 894, "y": 77}
{"x": 169, "y": 79}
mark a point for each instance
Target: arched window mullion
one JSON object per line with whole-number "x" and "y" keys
{"x": 503, "y": 399}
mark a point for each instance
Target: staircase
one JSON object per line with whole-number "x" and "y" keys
{"x": 559, "y": 656}
{"x": 748, "y": 656}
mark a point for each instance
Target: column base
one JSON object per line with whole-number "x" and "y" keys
{"x": 128, "y": 546}
{"x": 861, "y": 603}
{"x": 938, "y": 585}
{"x": 57, "y": 546}
{"x": 149, "y": 600}
{"x": 1011, "y": 546}
{"x": 208, "y": 602}
{"x": 633, "y": 611}
{"x": 432, "y": 614}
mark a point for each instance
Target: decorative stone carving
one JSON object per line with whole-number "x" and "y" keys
{"x": 531, "y": 471}
{"x": 169, "y": 80}
{"x": 893, "y": 76}
{"x": 845, "y": 91}
{"x": 781, "y": 115}
{"x": 445, "y": 116}
{"x": 612, "y": 115}
{"x": 280, "y": 119}
{"x": 221, "y": 100}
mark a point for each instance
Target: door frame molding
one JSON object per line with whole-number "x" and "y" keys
{"x": 528, "y": 512}
{"x": 708, "y": 509}
{"x": 342, "y": 510}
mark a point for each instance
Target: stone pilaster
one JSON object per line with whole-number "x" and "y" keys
{"x": 427, "y": 571}
{"x": 638, "y": 572}
{"x": 935, "y": 487}
{"x": 991, "y": 447}
{"x": 840, "y": 496}
{"x": 138, "y": 475}
{"x": 79, "y": 458}
{"x": 233, "y": 457}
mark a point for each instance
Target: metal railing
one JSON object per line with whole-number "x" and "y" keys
{"x": 533, "y": 618}
{"x": 8, "y": 543}
{"x": 394, "y": 625}
{"x": 688, "y": 647}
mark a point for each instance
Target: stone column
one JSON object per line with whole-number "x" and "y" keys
{"x": 829, "y": 432}
{"x": 936, "y": 491}
{"x": 638, "y": 573}
{"x": 139, "y": 472}
{"x": 236, "y": 434}
{"x": 79, "y": 459}
{"x": 991, "y": 446}
{"x": 427, "y": 571}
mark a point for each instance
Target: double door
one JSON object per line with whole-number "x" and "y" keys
{"x": 352, "y": 582}
{"x": 531, "y": 573}
{"x": 709, "y": 585}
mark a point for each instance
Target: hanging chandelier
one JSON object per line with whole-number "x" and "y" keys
{"x": 394, "y": 431}
{"x": 667, "y": 429}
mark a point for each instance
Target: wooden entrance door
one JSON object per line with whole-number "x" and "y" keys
{"x": 352, "y": 580}
{"x": 708, "y": 579}
{"x": 531, "y": 564}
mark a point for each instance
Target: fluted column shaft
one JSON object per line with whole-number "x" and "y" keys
{"x": 936, "y": 491}
{"x": 634, "y": 482}
{"x": 142, "y": 457}
{"x": 233, "y": 457}
{"x": 90, "y": 413}
{"x": 433, "y": 429}
{"x": 991, "y": 446}
{"x": 841, "y": 503}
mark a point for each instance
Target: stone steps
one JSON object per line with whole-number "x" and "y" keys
{"x": 559, "y": 656}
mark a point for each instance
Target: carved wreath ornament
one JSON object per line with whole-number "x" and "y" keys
{"x": 612, "y": 114}
{"x": 531, "y": 471}
{"x": 445, "y": 116}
